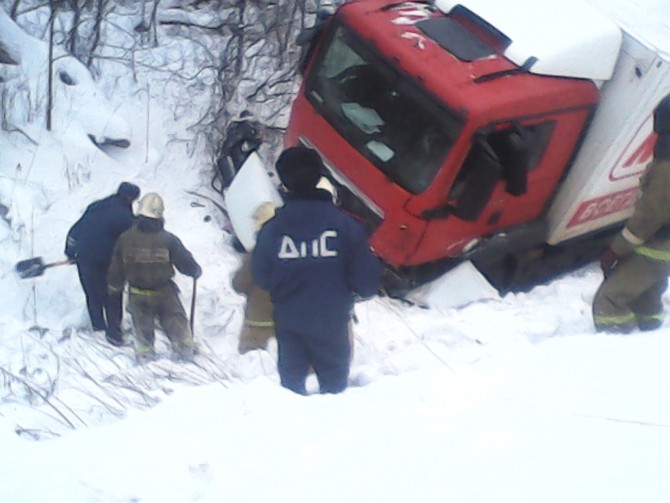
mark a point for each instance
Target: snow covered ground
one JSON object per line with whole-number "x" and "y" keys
{"x": 512, "y": 399}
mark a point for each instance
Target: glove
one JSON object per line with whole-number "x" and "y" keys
{"x": 608, "y": 261}
{"x": 197, "y": 273}
{"x": 71, "y": 251}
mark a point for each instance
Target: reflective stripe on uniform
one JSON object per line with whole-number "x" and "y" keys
{"x": 652, "y": 253}
{"x": 651, "y": 317}
{"x": 259, "y": 324}
{"x": 610, "y": 321}
{"x": 630, "y": 237}
{"x": 142, "y": 291}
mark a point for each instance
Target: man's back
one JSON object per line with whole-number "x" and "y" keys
{"x": 99, "y": 227}
{"x": 313, "y": 259}
{"x": 145, "y": 255}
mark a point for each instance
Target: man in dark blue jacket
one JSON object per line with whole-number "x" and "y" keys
{"x": 313, "y": 259}
{"x": 90, "y": 242}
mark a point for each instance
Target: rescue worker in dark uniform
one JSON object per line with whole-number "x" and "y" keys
{"x": 145, "y": 257}
{"x": 90, "y": 242}
{"x": 313, "y": 259}
{"x": 637, "y": 264}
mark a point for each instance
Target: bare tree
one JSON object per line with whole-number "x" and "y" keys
{"x": 247, "y": 45}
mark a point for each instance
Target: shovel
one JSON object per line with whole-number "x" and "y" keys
{"x": 193, "y": 306}
{"x": 33, "y": 267}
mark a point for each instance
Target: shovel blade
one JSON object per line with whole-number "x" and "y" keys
{"x": 30, "y": 268}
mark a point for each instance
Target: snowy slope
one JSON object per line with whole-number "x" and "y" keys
{"x": 505, "y": 399}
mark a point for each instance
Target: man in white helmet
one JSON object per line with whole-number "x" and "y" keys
{"x": 259, "y": 324}
{"x": 145, "y": 256}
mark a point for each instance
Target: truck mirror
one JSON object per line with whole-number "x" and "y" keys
{"x": 483, "y": 172}
{"x": 514, "y": 156}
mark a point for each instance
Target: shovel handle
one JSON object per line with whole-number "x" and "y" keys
{"x": 56, "y": 264}
{"x": 195, "y": 283}
{"x": 35, "y": 267}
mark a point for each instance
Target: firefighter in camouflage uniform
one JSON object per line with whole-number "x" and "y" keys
{"x": 145, "y": 257}
{"x": 637, "y": 264}
{"x": 259, "y": 325}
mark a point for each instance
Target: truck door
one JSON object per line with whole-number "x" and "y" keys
{"x": 507, "y": 176}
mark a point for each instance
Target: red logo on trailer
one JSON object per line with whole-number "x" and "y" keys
{"x": 637, "y": 154}
{"x": 603, "y": 206}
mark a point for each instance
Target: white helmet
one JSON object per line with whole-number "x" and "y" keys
{"x": 151, "y": 205}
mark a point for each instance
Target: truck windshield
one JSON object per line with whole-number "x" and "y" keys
{"x": 385, "y": 115}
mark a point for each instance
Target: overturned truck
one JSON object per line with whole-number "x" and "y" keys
{"x": 511, "y": 134}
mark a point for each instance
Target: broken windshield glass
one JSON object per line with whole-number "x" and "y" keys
{"x": 382, "y": 113}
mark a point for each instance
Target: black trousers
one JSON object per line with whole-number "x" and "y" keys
{"x": 104, "y": 310}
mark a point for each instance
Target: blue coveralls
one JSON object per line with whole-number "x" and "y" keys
{"x": 90, "y": 242}
{"x": 313, "y": 259}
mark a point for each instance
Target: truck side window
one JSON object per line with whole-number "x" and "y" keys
{"x": 512, "y": 152}
{"x": 480, "y": 174}
{"x": 517, "y": 149}
{"x": 507, "y": 154}
{"x": 309, "y": 37}
{"x": 536, "y": 138}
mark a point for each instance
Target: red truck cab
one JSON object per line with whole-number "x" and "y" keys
{"x": 433, "y": 137}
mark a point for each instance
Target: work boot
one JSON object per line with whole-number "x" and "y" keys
{"x": 624, "y": 328}
{"x": 144, "y": 355}
{"x": 115, "y": 341}
{"x": 184, "y": 355}
{"x": 648, "y": 324}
